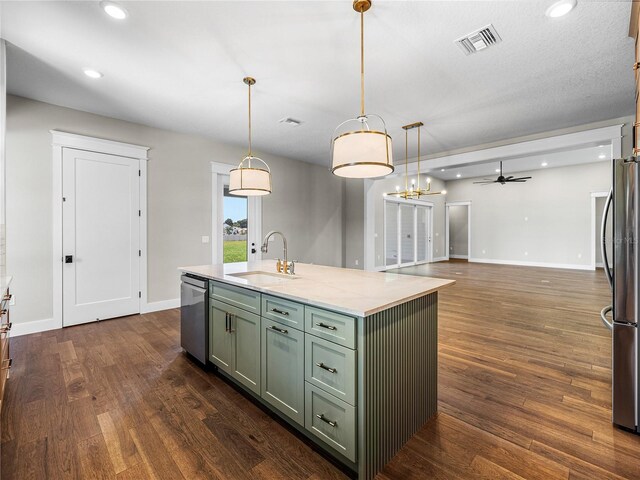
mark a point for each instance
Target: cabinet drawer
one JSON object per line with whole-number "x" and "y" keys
{"x": 284, "y": 311}
{"x": 330, "y": 326}
{"x": 331, "y": 367}
{"x": 331, "y": 420}
{"x": 246, "y": 299}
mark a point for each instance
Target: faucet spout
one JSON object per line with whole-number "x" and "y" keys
{"x": 265, "y": 245}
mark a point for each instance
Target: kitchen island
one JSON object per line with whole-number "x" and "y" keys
{"x": 347, "y": 357}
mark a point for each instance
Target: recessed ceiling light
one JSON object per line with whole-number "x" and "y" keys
{"x": 497, "y": 170}
{"x": 561, "y": 8}
{"x": 602, "y": 156}
{"x": 544, "y": 164}
{"x": 114, "y": 10}
{"x": 458, "y": 175}
{"x": 601, "y": 146}
{"x": 91, "y": 73}
{"x": 442, "y": 169}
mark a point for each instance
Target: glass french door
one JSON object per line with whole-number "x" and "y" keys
{"x": 407, "y": 228}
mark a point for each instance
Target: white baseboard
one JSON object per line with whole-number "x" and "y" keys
{"x": 461, "y": 257}
{"x": 569, "y": 266}
{"x": 440, "y": 259}
{"x": 35, "y": 326}
{"x": 599, "y": 265}
{"x": 162, "y": 305}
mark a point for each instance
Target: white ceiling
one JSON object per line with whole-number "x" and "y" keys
{"x": 179, "y": 66}
{"x": 514, "y": 166}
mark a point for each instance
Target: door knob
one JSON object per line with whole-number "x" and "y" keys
{"x": 68, "y": 259}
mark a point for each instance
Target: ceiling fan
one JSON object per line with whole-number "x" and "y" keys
{"x": 503, "y": 180}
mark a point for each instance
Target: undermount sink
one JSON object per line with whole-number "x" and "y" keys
{"x": 262, "y": 277}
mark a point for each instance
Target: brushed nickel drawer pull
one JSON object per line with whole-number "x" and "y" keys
{"x": 231, "y": 317}
{"x": 3, "y": 312}
{"x": 226, "y": 322}
{"x": 6, "y": 327}
{"x": 328, "y": 369}
{"x": 326, "y": 420}
{"x": 281, "y": 330}
{"x": 10, "y": 361}
{"x": 636, "y": 65}
{"x": 324, "y": 325}
{"x": 281, "y": 312}
{"x": 7, "y": 297}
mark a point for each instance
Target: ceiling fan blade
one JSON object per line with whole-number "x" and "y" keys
{"x": 519, "y": 178}
{"x": 509, "y": 177}
{"x": 517, "y": 181}
{"x": 486, "y": 182}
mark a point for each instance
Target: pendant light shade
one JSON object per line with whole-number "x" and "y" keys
{"x": 364, "y": 151}
{"x": 253, "y": 176}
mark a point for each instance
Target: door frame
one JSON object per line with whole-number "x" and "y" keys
{"x": 61, "y": 140}
{"x": 254, "y": 214}
{"x": 594, "y": 235}
{"x": 420, "y": 203}
{"x": 446, "y": 227}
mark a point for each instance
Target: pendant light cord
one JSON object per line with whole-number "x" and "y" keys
{"x": 249, "y": 124}
{"x": 419, "y": 160}
{"x": 406, "y": 156}
{"x": 362, "y": 63}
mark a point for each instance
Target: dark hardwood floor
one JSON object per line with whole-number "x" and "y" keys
{"x": 524, "y": 392}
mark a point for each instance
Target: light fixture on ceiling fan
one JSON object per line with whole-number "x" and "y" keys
{"x": 414, "y": 191}
{"x": 248, "y": 179}
{"x": 364, "y": 152}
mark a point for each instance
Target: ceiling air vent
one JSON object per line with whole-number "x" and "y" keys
{"x": 479, "y": 40}
{"x": 290, "y": 121}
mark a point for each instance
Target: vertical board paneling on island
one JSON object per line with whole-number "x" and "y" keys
{"x": 398, "y": 351}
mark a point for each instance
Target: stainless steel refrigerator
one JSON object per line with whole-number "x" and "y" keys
{"x": 623, "y": 274}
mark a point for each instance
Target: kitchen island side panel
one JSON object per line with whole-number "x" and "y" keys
{"x": 398, "y": 374}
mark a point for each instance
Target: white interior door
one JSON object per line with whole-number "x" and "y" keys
{"x": 100, "y": 236}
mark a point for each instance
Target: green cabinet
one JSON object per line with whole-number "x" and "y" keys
{"x": 283, "y": 368}
{"x": 234, "y": 343}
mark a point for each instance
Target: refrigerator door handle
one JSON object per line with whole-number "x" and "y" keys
{"x": 603, "y": 317}
{"x": 603, "y": 239}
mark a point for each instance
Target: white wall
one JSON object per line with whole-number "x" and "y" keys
{"x": 306, "y": 203}
{"x": 546, "y": 220}
{"x": 458, "y": 231}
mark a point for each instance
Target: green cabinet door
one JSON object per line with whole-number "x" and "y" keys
{"x": 245, "y": 331}
{"x": 220, "y": 339}
{"x": 283, "y": 368}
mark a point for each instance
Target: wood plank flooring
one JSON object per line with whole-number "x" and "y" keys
{"x": 524, "y": 392}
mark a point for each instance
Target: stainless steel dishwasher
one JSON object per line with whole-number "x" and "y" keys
{"x": 194, "y": 318}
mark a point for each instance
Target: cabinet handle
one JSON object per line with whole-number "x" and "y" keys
{"x": 227, "y": 322}
{"x": 281, "y": 312}
{"x": 326, "y": 420}
{"x": 6, "y": 327}
{"x": 10, "y": 361}
{"x": 231, "y": 317}
{"x": 636, "y": 65}
{"x": 281, "y": 330}
{"x": 324, "y": 325}
{"x": 328, "y": 369}
{"x": 7, "y": 297}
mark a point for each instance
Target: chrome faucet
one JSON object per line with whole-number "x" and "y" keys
{"x": 284, "y": 267}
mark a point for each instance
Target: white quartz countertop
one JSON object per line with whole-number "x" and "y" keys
{"x": 354, "y": 292}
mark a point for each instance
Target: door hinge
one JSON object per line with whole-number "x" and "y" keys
{"x": 64, "y": 199}
{"x": 139, "y": 253}
{"x": 139, "y": 213}
{"x": 139, "y": 173}
{"x": 139, "y": 294}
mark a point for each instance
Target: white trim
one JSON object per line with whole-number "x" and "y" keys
{"x": 35, "y": 326}
{"x": 459, "y": 257}
{"x": 161, "y": 305}
{"x": 570, "y": 266}
{"x": 440, "y": 259}
{"x": 569, "y": 141}
{"x": 60, "y": 141}
{"x": 446, "y": 228}
{"x": 221, "y": 168}
{"x": 369, "y": 262}
{"x": 594, "y": 235}
{"x": 416, "y": 203}
{"x": 98, "y": 145}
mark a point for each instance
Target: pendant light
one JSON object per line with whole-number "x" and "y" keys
{"x": 250, "y": 179}
{"x": 362, "y": 152}
{"x": 413, "y": 191}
